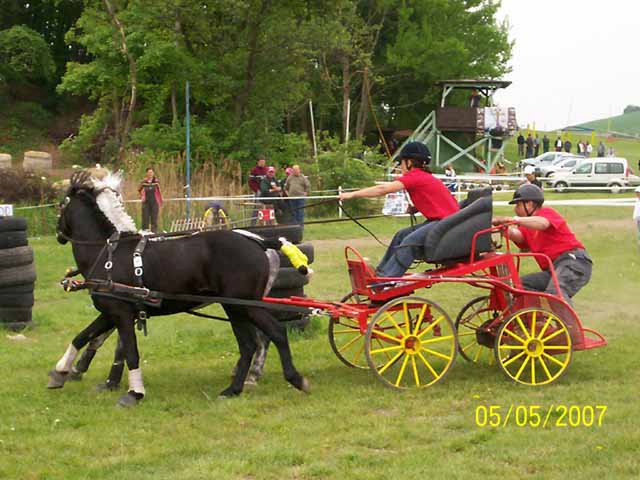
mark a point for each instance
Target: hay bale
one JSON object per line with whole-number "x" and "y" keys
{"x": 37, "y": 161}
{"x": 5, "y": 160}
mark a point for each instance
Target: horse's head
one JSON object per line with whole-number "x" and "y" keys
{"x": 92, "y": 208}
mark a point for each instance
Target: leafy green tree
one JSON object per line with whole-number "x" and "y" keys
{"x": 24, "y": 56}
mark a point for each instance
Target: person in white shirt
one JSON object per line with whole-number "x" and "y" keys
{"x": 636, "y": 214}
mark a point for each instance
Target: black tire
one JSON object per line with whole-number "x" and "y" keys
{"x": 15, "y": 257}
{"x": 17, "y": 224}
{"x": 293, "y": 233}
{"x": 306, "y": 248}
{"x": 16, "y": 300}
{"x": 289, "y": 277}
{"x": 15, "y": 318}
{"x": 17, "y": 289}
{"x": 17, "y": 275}
{"x": 13, "y": 239}
{"x": 286, "y": 292}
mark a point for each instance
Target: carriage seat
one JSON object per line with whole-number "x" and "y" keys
{"x": 450, "y": 239}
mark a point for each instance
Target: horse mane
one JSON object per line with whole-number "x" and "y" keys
{"x": 106, "y": 198}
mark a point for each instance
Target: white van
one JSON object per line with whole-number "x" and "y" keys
{"x": 611, "y": 173}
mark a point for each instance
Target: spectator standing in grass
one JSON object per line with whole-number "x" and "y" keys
{"x": 601, "y": 149}
{"x": 297, "y": 185}
{"x": 636, "y": 214}
{"x": 567, "y": 145}
{"x": 545, "y": 144}
{"x": 521, "y": 145}
{"x": 258, "y": 172}
{"x": 151, "y": 198}
{"x": 588, "y": 150}
{"x": 529, "y": 143}
{"x": 536, "y": 146}
{"x": 558, "y": 144}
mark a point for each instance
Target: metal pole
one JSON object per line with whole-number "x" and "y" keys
{"x": 346, "y": 133}
{"x": 188, "y": 185}
{"x": 313, "y": 132}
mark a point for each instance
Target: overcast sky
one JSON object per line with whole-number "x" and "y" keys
{"x": 573, "y": 60}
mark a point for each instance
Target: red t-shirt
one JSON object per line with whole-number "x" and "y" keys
{"x": 429, "y": 194}
{"x": 255, "y": 177}
{"x": 554, "y": 241}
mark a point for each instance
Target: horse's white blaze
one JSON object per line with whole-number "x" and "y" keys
{"x": 110, "y": 203}
{"x": 65, "y": 363}
{"x": 135, "y": 381}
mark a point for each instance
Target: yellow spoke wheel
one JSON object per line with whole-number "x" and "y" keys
{"x": 410, "y": 343}
{"x": 346, "y": 340}
{"x": 469, "y": 325}
{"x": 533, "y": 347}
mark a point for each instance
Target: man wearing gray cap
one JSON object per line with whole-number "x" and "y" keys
{"x": 543, "y": 230}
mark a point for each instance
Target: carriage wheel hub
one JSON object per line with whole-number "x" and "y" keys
{"x": 534, "y": 347}
{"x": 412, "y": 345}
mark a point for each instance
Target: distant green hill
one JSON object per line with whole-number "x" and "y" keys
{"x": 628, "y": 123}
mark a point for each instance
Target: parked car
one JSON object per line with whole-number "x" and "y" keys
{"x": 545, "y": 159}
{"x": 611, "y": 173}
{"x": 561, "y": 164}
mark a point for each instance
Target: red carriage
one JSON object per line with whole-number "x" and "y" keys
{"x": 409, "y": 341}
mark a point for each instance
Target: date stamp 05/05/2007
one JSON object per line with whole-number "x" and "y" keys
{"x": 539, "y": 416}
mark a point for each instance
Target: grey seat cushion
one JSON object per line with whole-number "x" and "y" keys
{"x": 451, "y": 238}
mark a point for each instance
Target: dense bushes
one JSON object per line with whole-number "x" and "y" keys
{"x": 17, "y": 186}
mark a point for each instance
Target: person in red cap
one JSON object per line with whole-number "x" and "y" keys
{"x": 543, "y": 230}
{"x": 430, "y": 197}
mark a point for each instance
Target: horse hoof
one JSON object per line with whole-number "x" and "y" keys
{"x": 107, "y": 387}
{"x": 228, "y": 393}
{"x": 251, "y": 381}
{"x": 131, "y": 399}
{"x": 57, "y": 379}
{"x": 75, "y": 376}
{"x": 305, "y": 386}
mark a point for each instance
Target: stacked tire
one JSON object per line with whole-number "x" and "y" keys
{"x": 17, "y": 274}
{"x": 289, "y": 282}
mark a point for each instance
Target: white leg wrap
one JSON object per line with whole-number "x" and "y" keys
{"x": 135, "y": 381}
{"x": 65, "y": 363}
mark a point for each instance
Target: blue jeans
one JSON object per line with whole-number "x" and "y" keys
{"x": 297, "y": 209}
{"x": 407, "y": 245}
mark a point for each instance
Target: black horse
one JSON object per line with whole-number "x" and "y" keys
{"x": 213, "y": 263}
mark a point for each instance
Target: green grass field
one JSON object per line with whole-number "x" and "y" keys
{"x": 351, "y": 426}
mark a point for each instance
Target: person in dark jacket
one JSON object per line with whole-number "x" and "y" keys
{"x": 151, "y": 197}
{"x": 521, "y": 145}
{"x": 545, "y": 144}
{"x": 529, "y": 143}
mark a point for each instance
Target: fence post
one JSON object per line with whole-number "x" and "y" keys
{"x": 339, "y": 202}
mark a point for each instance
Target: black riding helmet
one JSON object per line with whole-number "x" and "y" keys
{"x": 416, "y": 151}
{"x": 528, "y": 192}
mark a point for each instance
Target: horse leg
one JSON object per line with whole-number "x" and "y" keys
{"x": 125, "y": 321}
{"x": 82, "y": 365}
{"x": 245, "y": 336}
{"x": 259, "y": 359}
{"x": 115, "y": 374}
{"x": 277, "y": 333}
{"x": 58, "y": 376}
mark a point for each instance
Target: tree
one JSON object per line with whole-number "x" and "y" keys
{"x": 24, "y": 57}
{"x": 631, "y": 108}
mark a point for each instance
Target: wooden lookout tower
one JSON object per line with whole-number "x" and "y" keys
{"x": 472, "y": 135}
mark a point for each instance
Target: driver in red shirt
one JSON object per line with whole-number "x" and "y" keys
{"x": 543, "y": 230}
{"x": 430, "y": 197}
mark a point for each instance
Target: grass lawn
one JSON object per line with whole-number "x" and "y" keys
{"x": 351, "y": 426}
